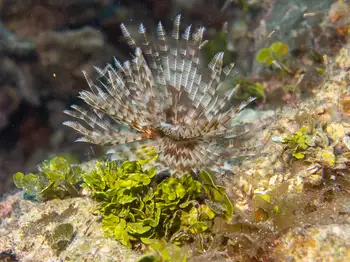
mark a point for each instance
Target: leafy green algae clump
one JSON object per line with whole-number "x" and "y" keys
{"x": 276, "y": 51}
{"x": 319, "y": 143}
{"x": 136, "y": 208}
{"x": 299, "y": 142}
{"x": 276, "y": 55}
{"x": 137, "y": 205}
{"x": 56, "y": 179}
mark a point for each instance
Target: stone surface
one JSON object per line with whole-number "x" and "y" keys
{"x": 320, "y": 243}
{"x": 27, "y": 232}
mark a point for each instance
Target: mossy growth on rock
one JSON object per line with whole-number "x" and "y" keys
{"x": 159, "y": 251}
{"x": 324, "y": 144}
{"x": 61, "y": 237}
{"x": 299, "y": 142}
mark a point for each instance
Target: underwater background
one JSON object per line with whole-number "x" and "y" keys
{"x": 291, "y": 201}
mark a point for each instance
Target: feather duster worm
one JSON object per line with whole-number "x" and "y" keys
{"x": 164, "y": 100}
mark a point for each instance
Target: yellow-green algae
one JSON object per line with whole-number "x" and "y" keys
{"x": 135, "y": 206}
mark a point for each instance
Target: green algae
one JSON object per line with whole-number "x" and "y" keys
{"x": 136, "y": 206}
{"x": 276, "y": 51}
{"x": 61, "y": 237}
{"x": 136, "y": 209}
{"x": 57, "y": 179}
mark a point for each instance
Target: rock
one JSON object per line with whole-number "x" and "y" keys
{"x": 318, "y": 243}
{"x": 31, "y": 230}
{"x": 30, "y": 18}
{"x": 64, "y": 56}
{"x": 343, "y": 60}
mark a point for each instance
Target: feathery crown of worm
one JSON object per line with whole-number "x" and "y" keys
{"x": 163, "y": 100}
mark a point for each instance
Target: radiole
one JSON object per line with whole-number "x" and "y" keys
{"x": 166, "y": 100}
